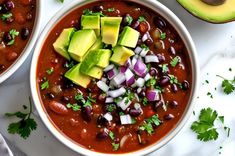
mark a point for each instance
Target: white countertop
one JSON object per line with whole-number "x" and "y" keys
{"x": 216, "y": 51}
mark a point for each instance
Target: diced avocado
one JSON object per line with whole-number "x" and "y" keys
{"x": 215, "y": 11}
{"x": 129, "y": 37}
{"x": 62, "y": 43}
{"x": 95, "y": 72}
{"x": 91, "y": 22}
{"x": 104, "y": 58}
{"x": 77, "y": 77}
{"x": 80, "y": 43}
{"x": 121, "y": 55}
{"x": 90, "y": 61}
{"x": 110, "y": 29}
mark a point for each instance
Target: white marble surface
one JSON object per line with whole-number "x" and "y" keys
{"x": 216, "y": 50}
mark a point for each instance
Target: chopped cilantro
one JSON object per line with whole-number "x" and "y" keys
{"x": 13, "y": 34}
{"x": 210, "y": 95}
{"x": 69, "y": 64}
{"x": 110, "y": 9}
{"x": 45, "y": 85}
{"x": 230, "y": 69}
{"x": 175, "y": 61}
{"x": 6, "y": 16}
{"x": 87, "y": 104}
{"x": 129, "y": 20}
{"x": 25, "y": 125}
{"x": 89, "y": 97}
{"x": 148, "y": 124}
{"x": 115, "y": 146}
{"x": 111, "y": 107}
{"x": 163, "y": 36}
{"x": 148, "y": 66}
{"x": 228, "y": 86}
{"x": 174, "y": 80}
{"x": 151, "y": 82}
{"x": 118, "y": 99}
{"x": 145, "y": 101}
{"x": 164, "y": 67}
{"x": 111, "y": 135}
{"x": 50, "y": 71}
{"x": 144, "y": 46}
{"x": 121, "y": 113}
{"x": 126, "y": 101}
{"x": 141, "y": 19}
{"x": 205, "y": 127}
{"x": 79, "y": 97}
{"x": 89, "y": 12}
{"x": 75, "y": 107}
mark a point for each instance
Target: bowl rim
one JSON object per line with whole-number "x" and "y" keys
{"x": 29, "y": 46}
{"x": 180, "y": 28}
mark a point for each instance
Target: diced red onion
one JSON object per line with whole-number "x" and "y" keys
{"x": 140, "y": 82}
{"x": 152, "y": 95}
{"x": 103, "y": 86}
{"x": 108, "y": 117}
{"x": 123, "y": 104}
{"x": 144, "y": 52}
{"x": 138, "y": 107}
{"x": 137, "y": 97}
{"x": 112, "y": 73}
{"x": 130, "y": 77}
{"x": 145, "y": 37}
{"x": 134, "y": 85}
{"x": 147, "y": 77}
{"x": 128, "y": 63}
{"x": 109, "y": 100}
{"x": 133, "y": 62}
{"x": 138, "y": 50}
{"x": 125, "y": 119}
{"x": 104, "y": 79}
{"x": 140, "y": 68}
{"x": 119, "y": 79}
{"x": 151, "y": 58}
{"x": 123, "y": 69}
{"x": 117, "y": 92}
{"x": 109, "y": 67}
{"x": 139, "y": 90}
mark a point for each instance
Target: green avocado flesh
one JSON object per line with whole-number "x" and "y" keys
{"x": 215, "y": 14}
{"x": 129, "y": 37}
{"x": 62, "y": 42}
{"x": 91, "y": 22}
{"x": 121, "y": 55}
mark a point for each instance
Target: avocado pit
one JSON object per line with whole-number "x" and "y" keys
{"x": 214, "y": 2}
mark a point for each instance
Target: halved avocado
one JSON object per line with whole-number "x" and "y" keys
{"x": 222, "y": 13}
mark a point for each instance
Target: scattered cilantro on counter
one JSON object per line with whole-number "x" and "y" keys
{"x": 61, "y": 1}
{"x": 25, "y": 125}
{"x": 228, "y": 86}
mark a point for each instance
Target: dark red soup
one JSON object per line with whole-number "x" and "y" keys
{"x": 16, "y": 24}
{"x": 114, "y": 77}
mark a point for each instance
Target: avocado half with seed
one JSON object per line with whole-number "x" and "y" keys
{"x": 214, "y": 11}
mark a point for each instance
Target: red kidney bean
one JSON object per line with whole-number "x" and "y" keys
{"x": 174, "y": 88}
{"x": 24, "y": 33}
{"x": 134, "y": 112}
{"x": 86, "y": 113}
{"x": 164, "y": 81}
{"x": 174, "y": 104}
{"x": 158, "y": 105}
{"x": 102, "y": 121}
{"x": 185, "y": 85}
{"x": 169, "y": 116}
{"x": 98, "y": 8}
{"x": 102, "y": 135}
{"x": 58, "y": 108}
{"x": 11, "y": 56}
{"x": 159, "y": 22}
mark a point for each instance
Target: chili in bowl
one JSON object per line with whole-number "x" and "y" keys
{"x": 19, "y": 28}
{"x": 114, "y": 77}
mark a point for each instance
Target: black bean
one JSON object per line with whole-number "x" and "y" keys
{"x": 164, "y": 81}
{"x": 149, "y": 42}
{"x": 2, "y": 67}
{"x": 3, "y": 9}
{"x": 172, "y": 50}
{"x": 86, "y": 113}
{"x": 135, "y": 24}
{"x": 174, "y": 104}
{"x": 161, "y": 58}
{"x": 153, "y": 71}
{"x": 51, "y": 95}
{"x": 102, "y": 121}
{"x": 101, "y": 97}
{"x": 134, "y": 112}
{"x": 102, "y": 136}
{"x": 98, "y": 8}
{"x": 174, "y": 88}
{"x": 68, "y": 84}
{"x": 158, "y": 105}
{"x": 169, "y": 116}
{"x": 7, "y": 37}
{"x": 65, "y": 99}
{"x": 159, "y": 22}
{"x": 185, "y": 85}
{"x": 24, "y": 33}
{"x": 9, "y": 5}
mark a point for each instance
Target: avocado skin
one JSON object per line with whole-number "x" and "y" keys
{"x": 206, "y": 20}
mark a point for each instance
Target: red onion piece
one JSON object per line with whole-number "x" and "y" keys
{"x": 145, "y": 37}
{"x": 138, "y": 50}
{"x": 119, "y": 79}
{"x": 140, "y": 68}
{"x": 108, "y": 117}
{"x": 109, "y": 67}
{"x": 123, "y": 104}
{"x": 152, "y": 95}
{"x": 130, "y": 78}
{"x": 140, "y": 82}
{"x": 128, "y": 63}
{"x": 144, "y": 52}
{"x": 151, "y": 58}
{"x": 112, "y": 73}
{"x": 117, "y": 92}
{"x": 103, "y": 86}
{"x": 109, "y": 100}
{"x": 123, "y": 69}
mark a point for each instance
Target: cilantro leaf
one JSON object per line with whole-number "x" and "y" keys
{"x": 75, "y": 107}
{"x": 148, "y": 124}
{"x": 115, "y": 146}
{"x": 61, "y": 1}
{"x": 6, "y": 16}
{"x": 110, "y": 9}
{"x": 163, "y": 36}
{"x": 13, "y": 34}
{"x": 50, "y": 71}
{"x": 111, "y": 135}
{"x": 141, "y": 19}
{"x": 45, "y": 85}
{"x": 228, "y": 86}
{"x": 175, "y": 61}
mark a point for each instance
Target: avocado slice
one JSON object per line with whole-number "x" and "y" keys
{"x": 104, "y": 58}
{"x": 121, "y": 54}
{"x": 214, "y": 14}
{"x": 129, "y": 37}
{"x": 91, "y": 22}
{"x": 81, "y": 42}
{"x": 95, "y": 72}
{"x": 77, "y": 77}
{"x": 62, "y": 42}
{"x": 110, "y": 27}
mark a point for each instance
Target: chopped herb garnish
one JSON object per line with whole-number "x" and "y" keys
{"x": 144, "y": 46}
{"x": 69, "y": 64}
{"x": 110, "y": 9}
{"x": 111, "y": 107}
{"x": 130, "y": 96}
{"x": 111, "y": 135}
{"x": 210, "y": 95}
{"x": 25, "y": 125}
{"x": 89, "y": 12}
{"x": 121, "y": 113}
{"x": 151, "y": 82}
{"x": 164, "y": 67}
{"x": 205, "y": 127}
{"x": 126, "y": 101}
{"x": 141, "y": 19}
{"x": 163, "y": 36}
{"x": 230, "y": 69}
{"x": 148, "y": 66}
{"x": 79, "y": 97}
{"x": 6, "y": 16}
{"x": 50, "y": 71}
{"x": 174, "y": 80}
{"x": 89, "y": 97}
{"x": 118, "y": 99}
{"x": 129, "y": 20}
{"x": 115, "y": 146}
{"x": 175, "y": 61}
{"x": 148, "y": 124}
{"x": 228, "y": 86}
{"x": 13, "y": 34}
{"x": 87, "y": 104}
{"x": 145, "y": 101}
{"x": 207, "y": 81}
{"x": 45, "y": 85}
{"x": 61, "y": 1}
{"x": 75, "y": 107}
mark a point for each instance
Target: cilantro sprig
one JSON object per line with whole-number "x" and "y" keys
{"x": 13, "y": 34}
{"x": 148, "y": 124}
{"x": 228, "y": 86}
{"x": 25, "y": 125}
{"x": 205, "y": 126}
{"x": 6, "y": 16}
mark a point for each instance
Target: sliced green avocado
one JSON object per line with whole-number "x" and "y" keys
{"x": 129, "y": 37}
{"x": 77, "y": 77}
{"x": 95, "y": 72}
{"x": 104, "y": 58}
{"x": 91, "y": 22}
{"x": 110, "y": 29}
{"x": 215, "y": 14}
{"x": 62, "y": 42}
{"x": 121, "y": 55}
{"x": 81, "y": 42}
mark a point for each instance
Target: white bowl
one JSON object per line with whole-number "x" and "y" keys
{"x": 28, "y": 48}
{"x": 180, "y": 28}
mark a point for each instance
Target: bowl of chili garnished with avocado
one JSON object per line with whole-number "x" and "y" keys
{"x": 114, "y": 77}
{"x": 19, "y": 29}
